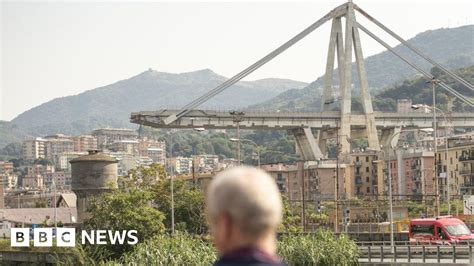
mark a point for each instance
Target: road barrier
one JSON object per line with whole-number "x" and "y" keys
{"x": 459, "y": 254}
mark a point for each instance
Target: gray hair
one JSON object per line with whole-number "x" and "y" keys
{"x": 249, "y": 196}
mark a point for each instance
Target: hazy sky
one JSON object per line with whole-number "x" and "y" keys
{"x": 54, "y": 49}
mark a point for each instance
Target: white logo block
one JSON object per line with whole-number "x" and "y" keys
{"x": 20, "y": 237}
{"x": 66, "y": 237}
{"x": 43, "y": 237}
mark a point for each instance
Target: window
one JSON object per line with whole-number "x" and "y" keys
{"x": 357, "y": 158}
{"x": 422, "y": 229}
{"x": 458, "y": 230}
{"x": 368, "y": 189}
{"x": 367, "y": 159}
{"x": 367, "y": 179}
{"x": 367, "y": 169}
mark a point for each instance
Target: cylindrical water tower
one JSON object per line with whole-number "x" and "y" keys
{"x": 92, "y": 174}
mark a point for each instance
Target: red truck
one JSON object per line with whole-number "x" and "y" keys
{"x": 440, "y": 230}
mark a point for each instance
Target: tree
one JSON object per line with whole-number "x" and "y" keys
{"x": 188, "y": 205}
{"x": 12, "y": 150}
{"x": 43, "y": 161}
{"x": 129, "y": 210}
{"x": 291, "y": 220}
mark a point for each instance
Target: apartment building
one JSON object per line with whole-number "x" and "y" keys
{"x": 412, "y": 173}
{"x": 84, "y": 143}
{"x": 63, "y": 160}
{"x": 317, "y": 180}
{"x": 205, "y": 162}
{"x": 108, "y": 136}
{"x": 154, "y": 149}
{"x": 56, "y": 147}
{"x": 125, "y": 146}
{"x": 181, "y": 165}
{"x": 33, "y": 149}
{"x": 457, "y": 165}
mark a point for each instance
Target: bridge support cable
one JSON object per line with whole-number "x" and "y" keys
{"x": 337, "y": 12}
{"x": 414, "y": 49}
{"x": 419, "y": 69}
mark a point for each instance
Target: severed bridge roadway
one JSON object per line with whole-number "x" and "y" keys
{"x": 284, "y": 121}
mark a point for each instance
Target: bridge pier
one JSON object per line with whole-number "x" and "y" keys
{"x": 306, "y": 144}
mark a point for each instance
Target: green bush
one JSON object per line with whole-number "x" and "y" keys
{"x": 179, "y": 249}
{"x": 321, "y": 248}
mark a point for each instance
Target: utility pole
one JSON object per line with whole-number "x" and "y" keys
{"x": 434, "y": 81}
{"x": 237, "y": 117}
{"x": 336, "y": 182}
{"x": 55, "y": 207}
{"x": 303, "y": 216}
{"x": 172, "y": 181}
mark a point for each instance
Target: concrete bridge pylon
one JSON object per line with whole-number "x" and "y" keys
{"x": 343, "y": 44}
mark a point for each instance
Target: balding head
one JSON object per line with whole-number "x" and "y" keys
{"x": 247, "y": 199}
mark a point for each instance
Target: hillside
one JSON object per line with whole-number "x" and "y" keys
{"x": 452, "y": 47}
{"x": 10, "y": 133}
{"x": 151, "y": 90}
{"x": 421, "y": 93}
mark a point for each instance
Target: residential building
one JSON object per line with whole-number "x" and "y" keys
{"x": 457, "y": 165}
{"x": 33, "y": 149}
{"x": 158, "y": 155}
{"x": 84, "y": 143}
{"x": 205, "y": 162}
{"x": 65, "y": 157}
{"x": 280, "y": 172}
{"x": 156, "y": 150}
{"x": 319, "y": 180}
{"x": 227, "y": 163}
{"x": 412, "y": 174}
{"x": 129, "y": 162}
{"x": 181, "y": 165}
{"x": 365, "y": 175}
{"x": 35, "y": 176}
{"x": 33, "y": 182}
{"x": 56, "y": 145}
{"x": 62, "y": 180}
{"x": 125, "y": 146}
{"x": 108, "y": 136}
{"x": 8, "y": 178}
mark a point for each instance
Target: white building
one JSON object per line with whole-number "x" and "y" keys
{"x": 64, "y": 158}
{"x": 108, "y": 136}
{"x": 181, "y": 165}
{"x": 34, "y": 149}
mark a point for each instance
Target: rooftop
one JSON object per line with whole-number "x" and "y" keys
{"x": 38, "y": 215}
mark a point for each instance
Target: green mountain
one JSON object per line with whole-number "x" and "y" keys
{"x": 422, "y": 93}
{"x": 10, "y": 133}
{"x": 452, "y": 47}
{"x": 151, "y": 90}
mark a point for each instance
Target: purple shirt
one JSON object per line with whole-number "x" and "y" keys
{"x": 248, "y": 256}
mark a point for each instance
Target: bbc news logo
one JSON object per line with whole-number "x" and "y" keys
{"x": 66, "y": 237}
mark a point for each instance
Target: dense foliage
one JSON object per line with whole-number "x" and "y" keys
{"x": 273, "y": 145}
{"x": 125, "y": 211}
{"x": 421, "y": 92}
{"x": 145, "y": 206}
{"x": 321, "y": 248}
{"x": 188, "y": 205}
{"x": 179, "y": 249}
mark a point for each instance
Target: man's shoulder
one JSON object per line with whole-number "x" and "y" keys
{"x": 249, "y": 256}
{"x": 247, "y": 262}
